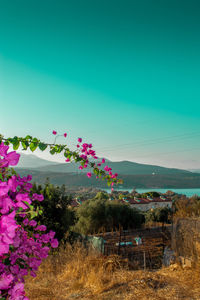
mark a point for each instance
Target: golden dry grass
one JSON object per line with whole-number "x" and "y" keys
{"x": 73, "y": 274}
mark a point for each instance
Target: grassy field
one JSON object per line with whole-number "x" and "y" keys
{"x": 73, "y": 274}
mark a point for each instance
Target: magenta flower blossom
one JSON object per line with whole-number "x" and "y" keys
{"x": 54, "y": 132}
{"x": 79, "y": 140}
{"x": 65, "y": 134}
{"x": 5, "y": 281}
{"x": 30, "y": 249}
{"x": 89, "y": 174}
{"x": 3, "y": 149}
{"x": 12, "y": 158}
{"x": 103, "y": 161}
{"x": 54, "y": 243}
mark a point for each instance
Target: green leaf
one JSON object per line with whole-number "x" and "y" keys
{"x": 42, "y": 146}
{"x": 27, "y": 204}
{"x": 25, "y": 145}
{"x": 28, "y": 137}
{"x": 16, "y": 144}
{"x": 20, "y": 209}
{"x": 33, "y": 146}
{"x": 35, "y": 140}
{"x": 52, "y": 151}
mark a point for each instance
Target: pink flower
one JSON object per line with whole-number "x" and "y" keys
{"x": 89, "y": 174}
{"x": 54, "y": 243}
{"x": 5, "y": 281}
{"x": 103, "y": 161}
{"x": 67, "y": 160}
{"x": 54, "y": 132}
{"x": 80, "y": 168}
{"x": 79, "y": 140}
{"x": 65, "y": 134}
{"x": 12, "y": 158}
{"x": 3, "y": 149}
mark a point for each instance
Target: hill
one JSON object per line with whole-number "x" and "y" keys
{"x": 134, "y": 175}
{"x": 191, "y": 180}
{"x": 121, "y": 167}
{"x": 29, "y": 161}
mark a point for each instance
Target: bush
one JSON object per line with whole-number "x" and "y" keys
{"x": 160, "y": 214}
{"x": 96, "y": 215}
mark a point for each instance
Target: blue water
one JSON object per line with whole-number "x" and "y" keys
{"x": 187, "y": 192}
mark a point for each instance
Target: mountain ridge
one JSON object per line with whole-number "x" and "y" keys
{"x": 125, "y": 167}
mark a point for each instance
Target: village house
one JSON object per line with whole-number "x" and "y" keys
{"x": 145, "y": 204}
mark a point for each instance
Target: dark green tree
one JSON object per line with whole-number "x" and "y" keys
{"x": 98, "y": 215}
{"x": 57, "y": 215}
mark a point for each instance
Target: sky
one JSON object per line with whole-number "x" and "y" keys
{"x": 122, "y": 74}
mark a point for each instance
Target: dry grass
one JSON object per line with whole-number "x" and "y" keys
{"x": 73, "y": 274}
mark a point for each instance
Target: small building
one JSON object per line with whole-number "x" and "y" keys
{"x": 149, "y": 203}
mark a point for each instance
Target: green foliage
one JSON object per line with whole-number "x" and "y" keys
{"x": 101, "y": 214}
{"x": 102, "y": 196}
{"x": 57, "y": 215}
{"x": 150, "y": 194}
{"x": 160, "y": 214}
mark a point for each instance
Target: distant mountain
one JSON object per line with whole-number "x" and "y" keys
{"x": 188, "y": 180}
{"x": 29, "y": 161}
{"x": 133, "y": 174}
{"x": 122, "y": 168}
{"x": 195, "y": 170}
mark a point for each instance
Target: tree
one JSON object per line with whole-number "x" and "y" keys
{"x": 96, "y": 215}
{"x": 57, "y": 215}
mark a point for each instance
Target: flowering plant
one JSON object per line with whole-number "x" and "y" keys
{"x": 23, "y": 242}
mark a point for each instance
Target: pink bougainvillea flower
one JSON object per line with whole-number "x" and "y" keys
{"x": 54, "y": 243}
{"x": 65, "y": 134}
{"x": 103, "y": 161}
{"x": 67, "y": 160}
{"x": 5, "y": 281}
{"x": 89, "y": 174}
{"x": 80, "y": 168}
{"x": 3, "y": 149}
{"x": 79, "y": 140}
{"x": 54, "y": 132}
{"x": 4, "y": 188}
{"x": 18, "y": 292}
{"x": 12, "y": 158}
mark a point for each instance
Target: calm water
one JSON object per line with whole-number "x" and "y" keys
{"x": 187, "y": 192}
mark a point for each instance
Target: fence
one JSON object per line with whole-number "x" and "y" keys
{"x": 142, "y": 247}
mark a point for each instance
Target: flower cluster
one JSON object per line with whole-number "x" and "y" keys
{"x": 87, "y": 153}
{"x": 23, "y": 242}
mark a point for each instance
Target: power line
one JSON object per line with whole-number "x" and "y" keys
{"x": 151, "y": 142}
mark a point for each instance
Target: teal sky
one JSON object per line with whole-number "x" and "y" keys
{"x": 124, "y": 75}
